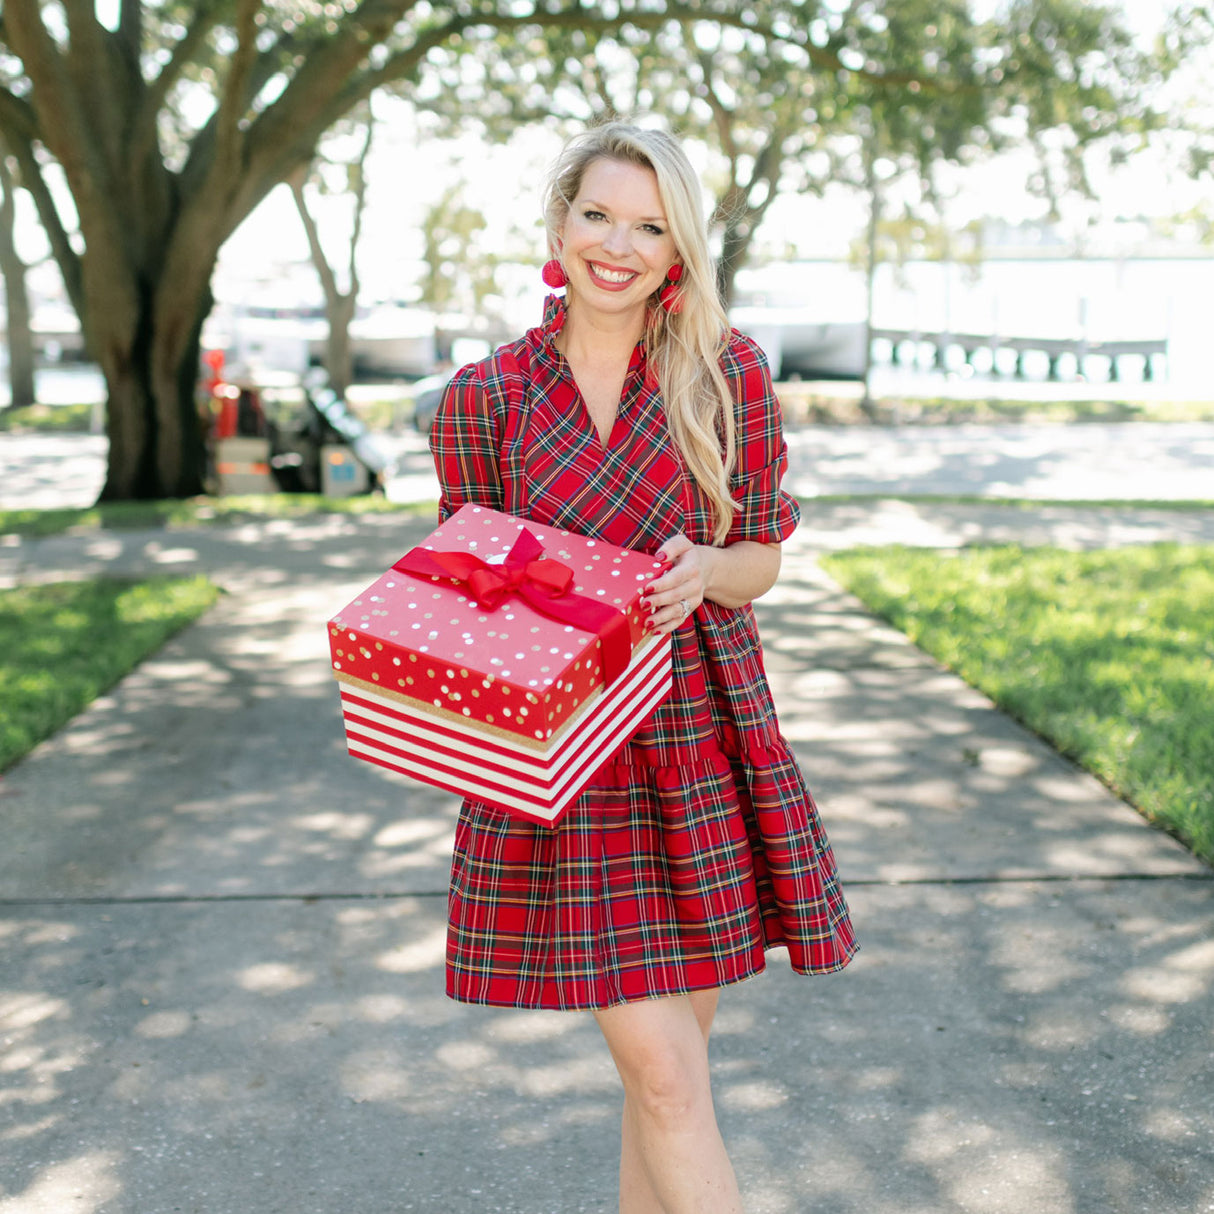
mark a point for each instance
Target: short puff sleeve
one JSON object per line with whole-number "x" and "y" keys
{"x": 765, "y": 512}
{"x": 465, "y": 443}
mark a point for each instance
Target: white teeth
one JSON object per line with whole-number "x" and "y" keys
{"x": 611, "y": 275}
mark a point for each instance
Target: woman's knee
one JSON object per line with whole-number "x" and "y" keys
{"x": 663, "y": 1062}
{"x": 669, "y": 1091}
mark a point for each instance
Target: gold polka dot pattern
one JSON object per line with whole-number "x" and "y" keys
{"x": 428, "y": 643}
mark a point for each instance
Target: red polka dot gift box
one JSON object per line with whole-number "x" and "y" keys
{"x": 502, "y": 660}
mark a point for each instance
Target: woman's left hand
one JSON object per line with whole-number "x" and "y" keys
{"x": 675, "y": 594}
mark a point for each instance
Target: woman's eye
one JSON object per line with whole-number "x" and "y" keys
{"x": 654, "y": 229}
{"x": 594, "y": 215}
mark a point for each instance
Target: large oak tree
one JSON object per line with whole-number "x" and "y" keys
{"x": 170, "y": 126}
{"x": 168, "y": 129}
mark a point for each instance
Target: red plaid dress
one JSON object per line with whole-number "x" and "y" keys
{"x": 699, "y": 846}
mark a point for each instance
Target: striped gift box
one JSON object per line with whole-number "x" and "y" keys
{"x": 510, "y": 671}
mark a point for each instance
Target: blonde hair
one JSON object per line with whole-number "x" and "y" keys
{"x": 685, "y": 347}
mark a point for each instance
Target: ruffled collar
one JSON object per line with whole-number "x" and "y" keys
{"x": 555, "y": 312}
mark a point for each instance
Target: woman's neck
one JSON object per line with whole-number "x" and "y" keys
{"x": 586, "y": 337}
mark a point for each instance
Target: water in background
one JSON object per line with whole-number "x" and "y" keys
{"x": 1100, "y": 299}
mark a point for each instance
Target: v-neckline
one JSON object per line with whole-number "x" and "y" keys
{"x": 564, "y": 366}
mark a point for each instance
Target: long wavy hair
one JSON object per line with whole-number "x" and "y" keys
{"x": 684, "y": 348}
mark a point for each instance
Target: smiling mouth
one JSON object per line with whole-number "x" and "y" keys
{"x": 617, "y": 277}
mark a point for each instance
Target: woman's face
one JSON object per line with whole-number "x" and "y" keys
{"x": 617, "y": 245}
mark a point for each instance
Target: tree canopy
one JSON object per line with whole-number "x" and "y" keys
{"x": 803, "y": 93}
{"x": 146, "y": 140}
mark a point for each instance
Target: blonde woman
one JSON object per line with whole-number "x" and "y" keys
{"x": 633, "y": 414}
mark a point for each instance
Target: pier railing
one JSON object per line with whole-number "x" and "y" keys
{"x": 905, "y": 347}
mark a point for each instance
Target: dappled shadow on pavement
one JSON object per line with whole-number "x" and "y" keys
{"x": 831, "y": 526}
{"x": 221, "y": 949}
{"x": 264, "y": 555}
{"x": 918, "y": 776}
{"x": 1026, "y": 1048}
{"x": 219, "y": 767}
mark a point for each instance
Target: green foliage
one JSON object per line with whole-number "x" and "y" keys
{"x": 910, "y": 237}
{"x": 459, "y": 269}
{"x": 797, "y": 94}
{"x": 44, "y": 419}
{"x": 1109, "y": 655}
{"x": 64, "y": 644}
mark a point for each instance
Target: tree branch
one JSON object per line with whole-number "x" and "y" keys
{"x": 130, "y": 29}
{"x": 90, "y": 63}
{"x": 360, "y": 202}
{"x": 234, "y": 100}
{"x": 328, "y": 280}
{"x": 206, "y": 16}
{"x": 32, "y": 178}
{"x": 55, "y": 106}
{"x": 17, "y": 118}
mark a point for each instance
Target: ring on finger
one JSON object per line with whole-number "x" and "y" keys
{"x": 686, "y": 609}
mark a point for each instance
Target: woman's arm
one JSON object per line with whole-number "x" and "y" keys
{"x": 731, "y": 577}
{"x": 746, "y": 565}
{"x": 464, "y": 442}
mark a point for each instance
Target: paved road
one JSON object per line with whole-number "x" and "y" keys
{"x": 1142, "y": 460}
{"x": 1147, "y": 460}
{"x": 221, "y": 939}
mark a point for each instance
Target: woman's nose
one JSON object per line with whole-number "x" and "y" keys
{"x": 618, "y": 239}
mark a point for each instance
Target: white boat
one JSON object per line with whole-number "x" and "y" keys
{"x": 800, "y": 348}
{"x": 385, "y": 341}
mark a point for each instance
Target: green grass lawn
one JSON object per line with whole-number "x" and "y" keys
{"x": 1109, "y": 655}
{"x": 47, "y": 419}
{"x": 839, "y": 404}
{"x": 63, "y": 644}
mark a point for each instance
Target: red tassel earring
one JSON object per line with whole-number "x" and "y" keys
{"x": 553, "y": 274}
{"x": 669, "y": 296}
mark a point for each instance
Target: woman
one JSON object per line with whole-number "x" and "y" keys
{"x": 634, "y": 415}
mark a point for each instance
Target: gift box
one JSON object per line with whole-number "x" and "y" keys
{"x": 502, "y": 660}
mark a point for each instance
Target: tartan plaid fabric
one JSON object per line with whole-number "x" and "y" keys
{"x": 699, "y": 846}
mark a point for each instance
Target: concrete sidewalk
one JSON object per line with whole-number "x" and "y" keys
{"x": 222, "y": 938}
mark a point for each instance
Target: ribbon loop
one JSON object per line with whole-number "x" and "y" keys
{"x": 538, "y": 580}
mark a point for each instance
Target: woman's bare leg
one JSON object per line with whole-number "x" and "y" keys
{"x": 672, "y": 1159}
{"x": 636, "y": 1193}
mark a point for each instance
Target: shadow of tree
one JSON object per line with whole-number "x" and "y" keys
{"x": 1020, "y": 1047}
{"x": 221, "y": 949}
{"x": 920, "y": 778}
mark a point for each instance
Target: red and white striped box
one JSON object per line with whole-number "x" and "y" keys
{"x": 502, "y": 660}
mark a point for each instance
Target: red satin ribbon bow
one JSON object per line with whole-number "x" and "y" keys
{"x": 540, "y": 581}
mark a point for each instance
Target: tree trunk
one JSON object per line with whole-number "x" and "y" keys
{"x": 340, "y": 306}
{"x": 741, "y": 220}
{"x": 16, "y": 300}
{"x": 735, "y": 243}
{"x": 870, "y": 268}
{"x": 156, "y": 436}
{"x": 339, "y": 359}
